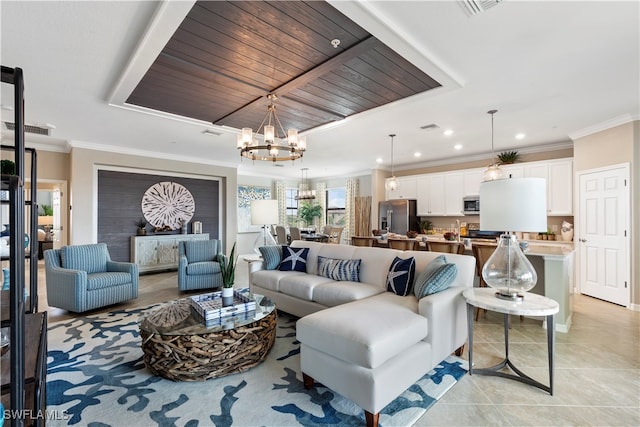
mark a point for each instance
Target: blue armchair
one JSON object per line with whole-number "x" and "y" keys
{"x": 198, "y": 266}
{"x": 80, "y": 278}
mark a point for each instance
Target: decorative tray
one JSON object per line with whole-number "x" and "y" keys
{"x": 210, "y": 306}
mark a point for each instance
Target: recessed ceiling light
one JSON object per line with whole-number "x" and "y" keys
{"x": 379, "y": 160}
{"x": 458, "y": 146}
{"x": 417, "y": 154}
{"x": 520, "y": 136}
{"x": 448, "y": 132}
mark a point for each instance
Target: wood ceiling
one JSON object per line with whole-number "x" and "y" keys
{"x": 226, "y": 56}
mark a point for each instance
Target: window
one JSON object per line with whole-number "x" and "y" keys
{"x": 292, "y": 207}
{"x": 336, "y": 204}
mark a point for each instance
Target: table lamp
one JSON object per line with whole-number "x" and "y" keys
{"x": 514, "y": 204}
{"x": 264, "y": 213}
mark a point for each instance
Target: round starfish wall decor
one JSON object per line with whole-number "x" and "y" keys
{"x": 167, "y": 204}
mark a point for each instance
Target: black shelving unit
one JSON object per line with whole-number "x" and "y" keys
{"x": 24, "y": 365}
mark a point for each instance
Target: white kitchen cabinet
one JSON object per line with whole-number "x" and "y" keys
{"x": 453, "y": 194}
{"x": 407, "y": 189}
{"x": 431, "y": 195}
{"x": 513, "y": 171}
{"x": 159, "y": 252}
{"x": 559, "y": 177}
{"x": 472, "y": 180}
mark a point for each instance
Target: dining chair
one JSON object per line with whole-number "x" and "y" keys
{"x": 294, "y": 232}
{"x": 335, "y": 235}
{"x": 448, "y": 247}
{"x": 481, "y": 254}
{"x": 363, "y": 241}
{"x": 403, "y": 244}
{"x": 326, "y": 230}
{"x": 281, "y": 234}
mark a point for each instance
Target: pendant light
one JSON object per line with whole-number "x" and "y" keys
{"x": 493, "y": 171}
{"x": 391, "y": 184}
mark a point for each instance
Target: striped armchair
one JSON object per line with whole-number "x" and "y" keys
{"x": 80, "y": 278}
{"x": 198, "y": 266}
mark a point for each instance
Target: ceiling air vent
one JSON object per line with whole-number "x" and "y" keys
{"x": 38, "y": 130}
{"x": 429, "y": 127}
{"x": 474, "y": 7}
{"x": 211, "y": 132}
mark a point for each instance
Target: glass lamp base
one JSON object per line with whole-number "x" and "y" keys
{"x": 264, "y": 239}
{"x": 509, "y": 296}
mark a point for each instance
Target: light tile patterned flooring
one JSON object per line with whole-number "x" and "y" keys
{"x": 597, "y": 369}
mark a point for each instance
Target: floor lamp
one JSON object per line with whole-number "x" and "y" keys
{"x": 513, "y": 204}
{"x": 265, "y": 214}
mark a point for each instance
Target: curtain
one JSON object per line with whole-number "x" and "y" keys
{"x": 321, "y": 199}
{"x": 363, "y": 216}
{"x": 353, "y": 191}
{"x": 281, "y": 196}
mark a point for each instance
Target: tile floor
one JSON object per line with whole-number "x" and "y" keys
{"x": 597, "y": 369}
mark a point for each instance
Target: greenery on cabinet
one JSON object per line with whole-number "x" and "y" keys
{"x": 308, "y": 212}
{"x": 142, "y": 226}
{"x": 508, "y": 157}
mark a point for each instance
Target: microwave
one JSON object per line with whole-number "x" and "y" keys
{"x": 471, "y": 205}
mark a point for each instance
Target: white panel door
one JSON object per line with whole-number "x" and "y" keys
{"x": 603, "y": 241}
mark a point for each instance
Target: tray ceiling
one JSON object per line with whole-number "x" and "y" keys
{"x": 226, "y": 57}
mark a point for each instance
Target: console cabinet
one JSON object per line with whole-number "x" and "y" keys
{"x": 159, "y": 252}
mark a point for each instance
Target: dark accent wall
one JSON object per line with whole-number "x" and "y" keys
{"x": 119, "y": 206}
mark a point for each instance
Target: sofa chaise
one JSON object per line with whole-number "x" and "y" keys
{"x": 357, "y": 338}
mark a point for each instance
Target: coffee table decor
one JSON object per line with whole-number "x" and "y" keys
{"x": 178, "y": 344}
{"x": 211, "y": 308}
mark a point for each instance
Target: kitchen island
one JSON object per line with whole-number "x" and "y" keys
{"x": 553, "y": 262}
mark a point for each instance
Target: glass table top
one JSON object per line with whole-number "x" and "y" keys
{"x": 179, "y": 317}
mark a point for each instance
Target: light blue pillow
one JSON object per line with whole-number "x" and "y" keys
{"x": 271, "y": 255}
{"x": 339, "y": 269}
{"x": 438, "y": 279}
{"x": 421, "y": 278}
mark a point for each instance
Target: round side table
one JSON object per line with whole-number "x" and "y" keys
{"x": 531, "y": 305}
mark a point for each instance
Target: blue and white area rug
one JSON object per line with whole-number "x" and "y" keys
{"x": 96, "y": 377}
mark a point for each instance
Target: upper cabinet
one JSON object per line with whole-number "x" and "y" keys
{"x": 559, "y": 176}
{"x": 472, "y": 179}
{"x": 441, "y": 194}
{"x": 431, "y": 195}
{"x": 407, "y": 189}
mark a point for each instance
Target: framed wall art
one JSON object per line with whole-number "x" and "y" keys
{"x": 247, "y": 193}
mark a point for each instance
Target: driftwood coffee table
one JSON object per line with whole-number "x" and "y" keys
{"x": 177, "y": 344}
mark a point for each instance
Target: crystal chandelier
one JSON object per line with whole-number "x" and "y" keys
{"x": 493, "y": 171}
{"x": 392, "y": 183}
{"x": 288, "y": 146}
{"x": 304, "y": 192}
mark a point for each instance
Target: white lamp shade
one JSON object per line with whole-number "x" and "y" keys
{"x": 515, "y": 204}
{"x": 264, "y": 212}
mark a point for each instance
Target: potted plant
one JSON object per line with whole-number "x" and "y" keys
{"x": 508, "y": 157}
{"x": 425, "y": 226}
{"x": 142, "y": 226}
{"x": 7, "y": 167}
{"x": 228, "y": 271}
{"x": 308, "y": 212}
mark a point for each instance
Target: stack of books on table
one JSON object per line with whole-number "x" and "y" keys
{"x": 212, "y": 310}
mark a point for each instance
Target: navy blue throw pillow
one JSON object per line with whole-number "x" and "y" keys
{"x": 294, "y": 259}
{"x": 400, "y": 276}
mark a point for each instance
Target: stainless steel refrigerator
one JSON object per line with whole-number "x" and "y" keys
{"x": 398, "y": 215}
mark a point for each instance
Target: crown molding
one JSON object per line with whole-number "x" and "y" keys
{"x": 607, "y": 124}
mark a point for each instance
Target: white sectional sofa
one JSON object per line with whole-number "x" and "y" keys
{"x": 358, "y": 339}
